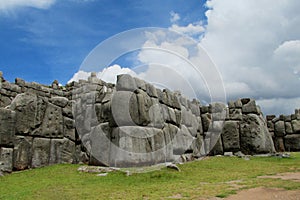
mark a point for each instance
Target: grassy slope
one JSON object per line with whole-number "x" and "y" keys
{"x": 206, "y": 178}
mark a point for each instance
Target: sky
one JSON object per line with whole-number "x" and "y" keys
{"x": 254, "y": 46}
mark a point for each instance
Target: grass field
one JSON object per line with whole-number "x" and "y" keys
{"x": 213, "y": 176}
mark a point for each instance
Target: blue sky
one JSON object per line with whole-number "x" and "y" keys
{"x": 255, "y": 45}
{"x": 43, "y": 44}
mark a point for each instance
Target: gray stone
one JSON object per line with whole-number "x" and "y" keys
{"x": 151, "y": 90}
{"x": 231, "y": 136}
{"x": 62, "y": 151}
{"x": 271, "y": 126}
{"x": 206, "y": 121}
{"x": 59, "y": 101}
{"x": 41, "y": 152}
{"x": 254, "y": 135}
{"x": 292, "y": 142}
{"x": 22, "y": 152}
{"x": 144, "y": 105}
{"x": 217, "y": 107}
{"x": 238, "y": 103}
{"x": 141, "y": 84}
{"x": 6, "y": 159}
{"x": 296, "y": 126}
{"x": 249, "y": 107}
{"x": 217, "y": 147}
{"x": 7, "y": 127}
{"x": 69, "y": 128}
{"x": 279, "y": 144}
{"x": 156, "y": 115}
{"x": 4, "y": 101}
{"x": 100, "y": 145}
{"x": 270, "y": 117}
{"x": 235, "y": 114}
{"x": 125, "y": 83}
{"x": 279, "y": 129}
{"x": 288, "y": 127}
{"x": 25, "y": 106}
{"x": 53, "y": 122}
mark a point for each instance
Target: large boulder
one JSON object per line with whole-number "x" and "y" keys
{"x": 62, "y": 151}
{"x": 231, "y": 136}
{"x": 30, "y": 112}
{"x": 292, "y": 142}
{"x": 254, "y": 136}
{"x": 22, "y": 152}
{"x": 6, "y": 159}
{"x": 7, "y": 127}
{"x": 41, "y": 152}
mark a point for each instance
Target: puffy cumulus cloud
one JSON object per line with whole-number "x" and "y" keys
{"x": 190, "y": 30}
{"x": 256, "y": 47}
{"x": 6, "y": 5}
{"x": 174, "y": 17}
{"x": 80, "y": 75}
{"x": 108, "y": 74}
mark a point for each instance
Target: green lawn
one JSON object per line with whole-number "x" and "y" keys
{"x": 213, "y": 176}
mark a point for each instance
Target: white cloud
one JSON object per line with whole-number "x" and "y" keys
{"x": 6, "y": 5}
{"x": 80, "y": 75}
{"x": 190, "y": 29}
{"x": 108, "y": 74}
{"x": 174, "y": 17}
{"x": 256, "y": 47}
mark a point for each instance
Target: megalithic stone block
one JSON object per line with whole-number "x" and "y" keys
{"x": 7, "y": 127}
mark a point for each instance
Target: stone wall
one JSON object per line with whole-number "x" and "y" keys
{"x": 131, "y": 123}
{"x": 285, "y": 131}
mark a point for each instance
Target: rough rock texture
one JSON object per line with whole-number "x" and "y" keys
{"x": 131, "y": 123}
{"x": 286, "y": 131}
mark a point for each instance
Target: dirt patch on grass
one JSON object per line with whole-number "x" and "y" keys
{"x": 265, "y": 194}
{"x": 293, "y": 176}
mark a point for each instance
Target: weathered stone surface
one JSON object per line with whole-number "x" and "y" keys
{"x": 144, "y": 105}
{"x": 53, "y": 122}
{"x": 4, "y": 101}
{"x": 25, "y": 106}
{"x": 41, "y": 152}
{"x": 151, "y": 90}
{"x": 124, "y": 109}
{"x": 217, "y": 147}
{"x": 249, "y": 106}
{"x": 296, "y": 126}
{"x": 62, "y": 151}
{"x": 292, "y": 142}
{"x": 141, "y": 84}
{"x": 288, "y": 127}
{"x": 206, "y": 121}
{"x": 6, "y": 159}
{"x": 69, "y": 128}
{"x": 125, "y": 83}
{"x": 235, "y": 114}
{"x": 279, "y": 129}
{"x": 254, "y": 135}
{"x": 279, "y": 144}
{"x": 7, "y": 127}
{"x": 59, "y": 101}
{"x": 231, "y": 136}
{"x": 100, "y": 139}
{"x": 22, "y": 152}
